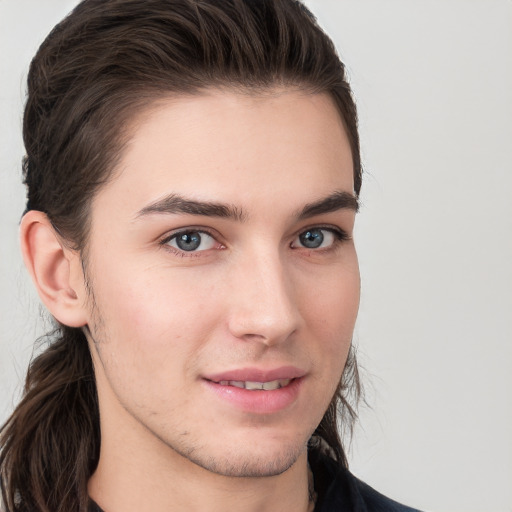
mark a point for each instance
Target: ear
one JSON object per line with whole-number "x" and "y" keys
{"x": 54, "y": 268}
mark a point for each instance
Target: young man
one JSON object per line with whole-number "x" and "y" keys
{"x": 193, "y": 172}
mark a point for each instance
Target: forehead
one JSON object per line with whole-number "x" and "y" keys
{"x": 233, "y": 146}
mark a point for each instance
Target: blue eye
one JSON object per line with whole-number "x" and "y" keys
{"x": 317, "y": 238}
{"x": 190, "y": 241}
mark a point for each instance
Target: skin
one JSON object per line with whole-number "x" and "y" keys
{"x": 160, "y": 319}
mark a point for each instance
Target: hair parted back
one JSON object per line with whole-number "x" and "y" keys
{"x": 106, "y": 61}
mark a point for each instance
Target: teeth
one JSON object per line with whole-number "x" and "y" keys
{"x": 253, "y": 386}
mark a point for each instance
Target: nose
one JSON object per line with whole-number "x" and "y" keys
{"x": 264, "y": 306}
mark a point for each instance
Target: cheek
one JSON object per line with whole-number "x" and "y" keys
{"x": 330, "y": 300}
{"x": 153, "y": 318}
{"x": 151, "y": 330}
{"x": 330, "y": 314}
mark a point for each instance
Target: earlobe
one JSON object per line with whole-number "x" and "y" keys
{"x": 52, "y": 267}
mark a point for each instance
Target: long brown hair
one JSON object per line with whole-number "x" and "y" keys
{"x": 101, "y": 64}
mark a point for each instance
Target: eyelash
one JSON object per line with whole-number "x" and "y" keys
{"x": 340, "y": 236}
{"x": 185, "y": 254}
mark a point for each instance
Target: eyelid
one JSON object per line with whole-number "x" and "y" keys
{"x": 164, "y": 241}
{"x": 343, "y": 234}
{"x": 340, "y": 235}
{"x": 188, "y": 229}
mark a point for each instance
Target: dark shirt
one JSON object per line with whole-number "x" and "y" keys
{"x": 338, "y": 491}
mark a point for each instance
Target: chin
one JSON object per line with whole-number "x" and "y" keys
{"x": 257, "y": 459}
{"x": 249, "y": 465}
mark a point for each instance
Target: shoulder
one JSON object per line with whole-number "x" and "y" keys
{"x": 377, "y": 502}
{"x": 340, "y": 491}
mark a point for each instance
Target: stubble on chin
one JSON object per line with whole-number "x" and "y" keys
{"x": 244, "y": 465}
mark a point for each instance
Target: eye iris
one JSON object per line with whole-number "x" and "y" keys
{"x": 312, "y": 238}
{"x": 188, "y": 241}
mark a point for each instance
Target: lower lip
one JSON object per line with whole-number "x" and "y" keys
{"x": 258, "y": 401}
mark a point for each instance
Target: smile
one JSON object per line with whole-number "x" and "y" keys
{"x": 256, "y": 386}
{"x": 257, "y": 394}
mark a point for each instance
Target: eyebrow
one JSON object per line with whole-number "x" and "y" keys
{"x": 174, "y": 203}
{"x": 339, "y": 200}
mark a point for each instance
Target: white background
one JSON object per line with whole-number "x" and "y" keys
{"x": 433, "y": 81}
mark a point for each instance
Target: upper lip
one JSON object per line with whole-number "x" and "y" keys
{"x": 257, "y": 374}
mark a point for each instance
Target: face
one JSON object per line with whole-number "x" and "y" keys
{"x": 224, "y": 280}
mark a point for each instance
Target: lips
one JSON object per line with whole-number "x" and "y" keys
{"x": 256, "y": 390}
{"x": 257, "y": 375}
{"x": 257, "y": 386}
